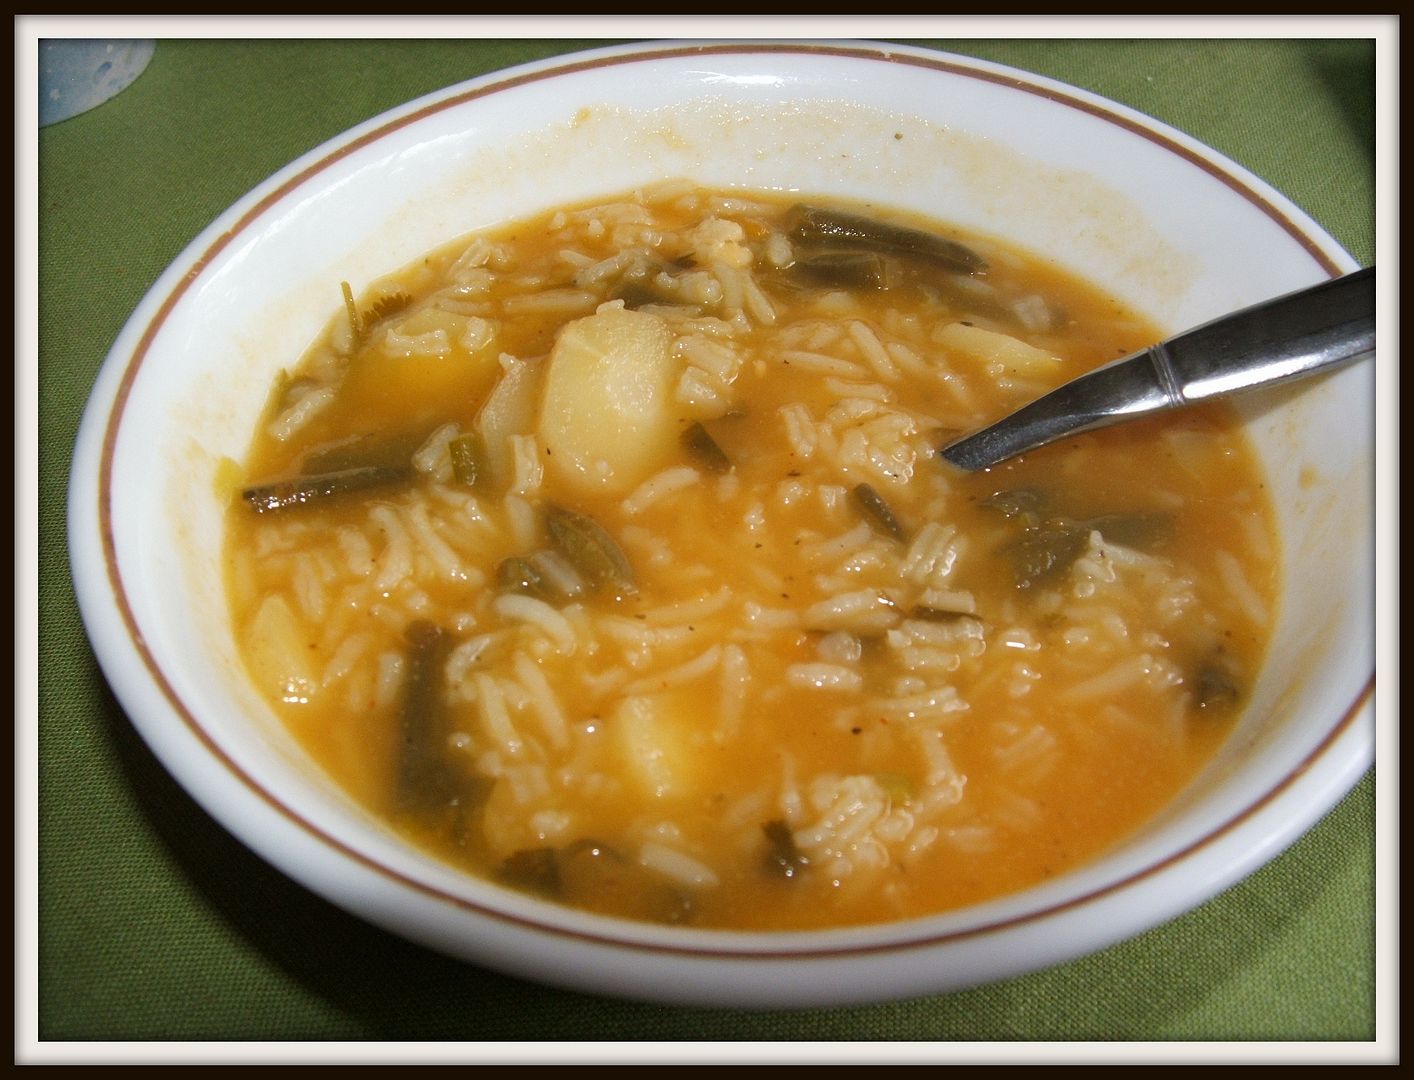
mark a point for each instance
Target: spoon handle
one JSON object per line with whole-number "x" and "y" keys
{"x": 1290, "y": 337}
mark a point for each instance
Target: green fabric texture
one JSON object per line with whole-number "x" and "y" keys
{"x": 155, "y": 924}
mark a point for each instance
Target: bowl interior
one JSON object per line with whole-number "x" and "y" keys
{"x": 1163, "y": 224}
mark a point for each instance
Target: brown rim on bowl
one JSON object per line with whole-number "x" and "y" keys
{"x": 603, "y": 60}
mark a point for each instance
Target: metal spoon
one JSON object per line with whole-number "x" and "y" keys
{"x": 1305, "y": 332}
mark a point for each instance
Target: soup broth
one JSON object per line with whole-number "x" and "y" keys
{"x": 609, "y": 555}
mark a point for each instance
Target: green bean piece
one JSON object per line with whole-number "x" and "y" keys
{"x": 702, "y": 447}
{"x": 426, "y": 781}
{"x": 595, "y": 876}
{"x": 783, "y": 858}
{"x": 844, "y": 269}
{"x": 534, "y": 870}
{"x": 591, "y": 550}
{"x": 873, "y": 504}
{"x": 377, "y": 450}
{"x": 468, "y": 458}
{"x": 304, "y": 490}
{"x": 815, "y": 227}
{"x": 635, "y": 295}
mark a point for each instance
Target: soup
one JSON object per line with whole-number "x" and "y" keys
{"x": 609, "y": 555}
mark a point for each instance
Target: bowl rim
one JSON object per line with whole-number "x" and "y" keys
{"x": 102, "y": 591}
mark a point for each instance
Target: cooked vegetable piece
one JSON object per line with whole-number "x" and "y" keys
{"x": 288, "y": 494}
{"x": 1048, "y": 546}
{"x": 598, "y": 877}
{"x": 1027, "y": 502}
{"x": 360, "y": 322}
{"x": 509, "y": 410}
{"x": 426, "y": 779}
{"x": 609, "y": 417}
{"x": 994, "y": 351}
{"x": 1041, "y": 555}
{"x": 351, "y": 309}
{"x": 704, "y": 449}
{"x": 591, "y": 550}
{"x": 1214, "y": 687}
{"x": 534, "y": 870}
{"x": 844, "y": 269}
{"x": 635, "y": 294}
{"x": 1137, "y": 530}
{"x": 467, "y": 456}
{"x": 364, "y": 452}
{"x": 651, "y": 738}
{"x": 281, "y": 646}
{"x": 873, "y": 504}
{"x": 814, "y": 227}
{"x": 783, "y": 857}
{"x": 384, "y": 307}
{"x": 517, "y": 575}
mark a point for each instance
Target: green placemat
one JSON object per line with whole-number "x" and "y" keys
{"x": 154, "y": 924}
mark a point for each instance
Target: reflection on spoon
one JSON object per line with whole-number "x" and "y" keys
{"x": 1293, "y": 336}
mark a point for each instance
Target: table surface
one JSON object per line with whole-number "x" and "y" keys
{"x": 155, "y": 925}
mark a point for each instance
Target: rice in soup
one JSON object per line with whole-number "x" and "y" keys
{"x": 609, "y": 555}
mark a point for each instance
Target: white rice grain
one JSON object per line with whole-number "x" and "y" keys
{"x": 301, "y": 412}
{"x": 431, "y": 457}
{"x": 824, "y": 677}
{"x": 735, "y": 683}
{"x": 698, "y": 667}
{"x": 711, "y": 356}
{"x": 873, "y": 351}
{"x": 395, "y": 560}
{"x": 430, "y": 544}
{"x": 675, "y": 865}
{"x": 819, "y": 364}
{"x": 689, "y": 610}
{"x": 388, "y": 680}
{"x": 529, "y": 611}
{"x": 543, "y": 699}
{"x": 495, "y": 717}
{"x": 1239, "y": 589}
{"x": 659, "y": 486}
{"x": 865, "y": 609}
{"x": 551, "y": 302}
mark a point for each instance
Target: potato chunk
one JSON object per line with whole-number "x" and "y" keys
{"x": 990, "y": 347}
{"x": 654, "y": 746}
{"x": 607, "y": 418}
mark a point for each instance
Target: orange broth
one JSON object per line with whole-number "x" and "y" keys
{"x": 842, "y": 683}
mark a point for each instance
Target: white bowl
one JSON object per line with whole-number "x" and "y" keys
{"x": 1145, "y": 212}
